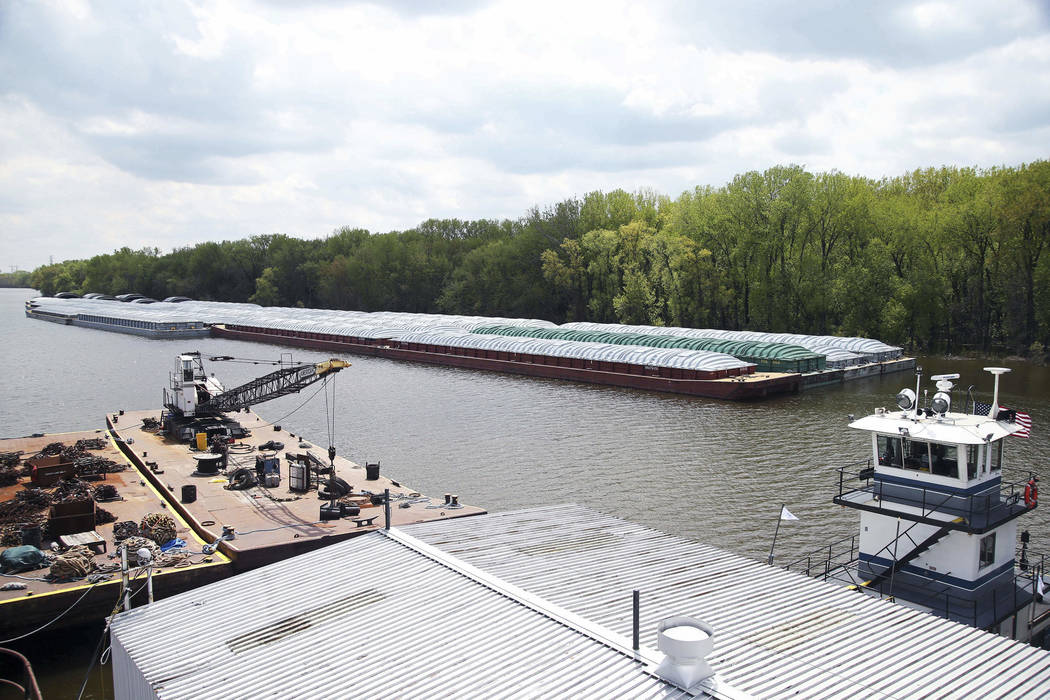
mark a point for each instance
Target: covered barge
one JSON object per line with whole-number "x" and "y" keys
{"x": 737, "y": 381}
{"x": 713, "y": 363}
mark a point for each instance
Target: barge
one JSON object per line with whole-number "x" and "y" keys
{"x": 204, "y": 487}
{"x": 85, "y": 599}
{"x": 127, "y": 321}
{"x": 732, "y": 384}
{"x": 268, "y": 520}
{"x": 734, "y": 365}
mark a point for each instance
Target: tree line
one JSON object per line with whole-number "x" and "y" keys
{"x": 941, "y": 260}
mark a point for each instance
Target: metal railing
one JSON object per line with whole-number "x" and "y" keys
{"x": 990, "y": 508}
{"x": 824, "y": 561}
{"x": 1030, "y": 562}
{"x": 838, "y": 561}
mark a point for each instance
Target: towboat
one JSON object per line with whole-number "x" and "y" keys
{"x": 939, "y": 517}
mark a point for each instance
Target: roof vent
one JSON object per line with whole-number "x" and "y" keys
{"x": 685, "y": 642}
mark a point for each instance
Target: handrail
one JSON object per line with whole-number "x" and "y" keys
{"x": 30, "y": 688}
{"x": 827, "y": 560}
{"x": 1003, "y": 495}
{"x": 1030, "y": 561}
{"x": 962, "y": 609}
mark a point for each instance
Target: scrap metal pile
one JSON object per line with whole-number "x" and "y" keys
{"x": 9, "y": 468}
{"x": 25, "y": 517}
{"x": 29, "y": 507}
{"x": 84, "y": 463}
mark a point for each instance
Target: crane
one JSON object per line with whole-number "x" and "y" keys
{"x": 196, "y": 401}
{"x": 195, "y": 394}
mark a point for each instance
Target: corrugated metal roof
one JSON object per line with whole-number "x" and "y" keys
{"x": 368, "y": 617}
{"x": 778, "y": 633}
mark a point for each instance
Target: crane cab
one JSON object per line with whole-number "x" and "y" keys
{"x": 190, "y": 386}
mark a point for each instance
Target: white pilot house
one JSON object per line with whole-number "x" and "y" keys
{"x": 938, "y": 527}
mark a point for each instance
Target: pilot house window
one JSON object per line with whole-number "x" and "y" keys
{"x": 930, "y": 457}
{"x": 890, "y": 452}
{"x": 996, "y": 456}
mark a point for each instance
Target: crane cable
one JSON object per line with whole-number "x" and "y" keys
{"x": 329, "y": 419}
{"x": 327, "y": 412}
{"x": 331, "y": 439}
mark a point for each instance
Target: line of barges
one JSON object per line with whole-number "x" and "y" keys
{"x": 707, "y": 363}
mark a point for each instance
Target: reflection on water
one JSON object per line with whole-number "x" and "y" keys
{"x": 711, "y": 471}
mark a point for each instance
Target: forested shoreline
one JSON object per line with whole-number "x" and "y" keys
{"x": 940, "y": 260}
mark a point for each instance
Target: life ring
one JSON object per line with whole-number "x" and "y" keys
{"x": 1031, "y": 493}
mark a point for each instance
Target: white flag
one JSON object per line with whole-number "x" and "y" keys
{"x": 1039, "y": 586}
{"x": 785, "y": 514}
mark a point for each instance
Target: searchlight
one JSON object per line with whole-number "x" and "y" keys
{"x": 906, "y": 399}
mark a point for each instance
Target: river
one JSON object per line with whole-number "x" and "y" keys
{"x": 712, "y": 471}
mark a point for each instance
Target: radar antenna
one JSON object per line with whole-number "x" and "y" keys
{"x": 993, "y": 412}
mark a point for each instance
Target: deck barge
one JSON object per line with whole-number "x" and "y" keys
{"x": 26, "y": 609}
{"x": 270, "y": 524}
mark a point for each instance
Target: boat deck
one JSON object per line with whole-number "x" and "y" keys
{"x": 270, "y": 523}
{"x": 969, "y": 514}
{"x": 42, "y": 600}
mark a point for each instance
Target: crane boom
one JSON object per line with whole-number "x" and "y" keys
{"x": 194, "y": 393}
{"x": 287, "y": 380}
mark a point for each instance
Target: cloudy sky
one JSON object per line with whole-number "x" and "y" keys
{"x": 170, "y": 123}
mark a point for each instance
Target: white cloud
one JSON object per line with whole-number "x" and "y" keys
{"x": 169, "y": 124}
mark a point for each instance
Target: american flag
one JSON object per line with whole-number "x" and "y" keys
{"x": 1022, "y": 420}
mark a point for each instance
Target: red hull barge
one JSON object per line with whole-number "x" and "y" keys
{"x": 722, "y": 384}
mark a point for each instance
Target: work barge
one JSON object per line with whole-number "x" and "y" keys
{"x": 730, "y": 365}
{"x": 205, "y": 486}
{"x": 262, "y": 524}
{"x": 57, "y": 493}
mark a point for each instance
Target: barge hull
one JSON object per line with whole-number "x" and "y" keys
{"x": 753, "y": 386}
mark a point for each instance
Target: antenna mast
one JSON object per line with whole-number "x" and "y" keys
{"x": 993, "y": 412}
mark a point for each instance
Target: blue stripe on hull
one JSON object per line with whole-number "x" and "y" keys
{"x": 943, "y": 578}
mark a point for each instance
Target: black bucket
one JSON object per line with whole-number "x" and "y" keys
{"x": 371, "y": 472}
{"x": 189, "y": 493}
